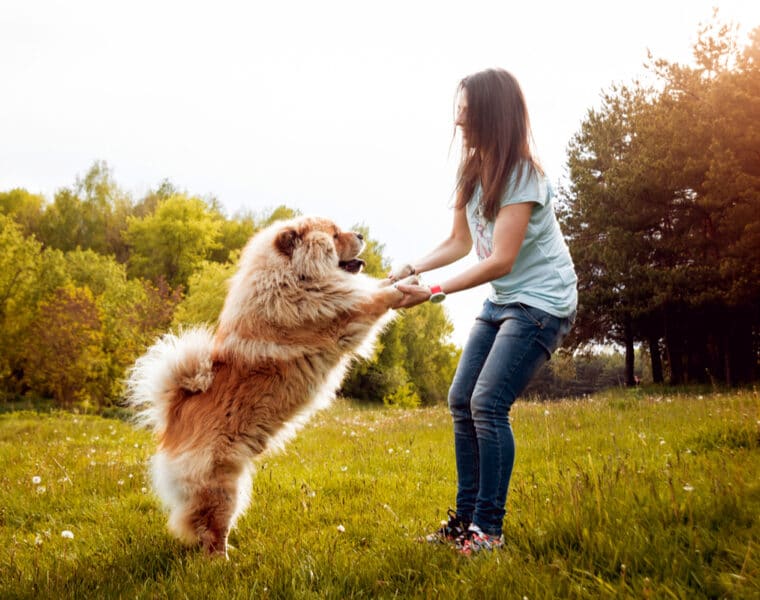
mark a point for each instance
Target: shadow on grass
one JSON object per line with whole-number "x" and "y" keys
{"x": 142, "y": 571}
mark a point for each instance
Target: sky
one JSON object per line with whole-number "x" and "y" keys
{"x": 338, "y": 109}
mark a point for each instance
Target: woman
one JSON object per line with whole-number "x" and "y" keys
{"x": 504, "y": 207}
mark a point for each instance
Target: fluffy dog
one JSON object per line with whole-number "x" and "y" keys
{"x": 296, "y": 312}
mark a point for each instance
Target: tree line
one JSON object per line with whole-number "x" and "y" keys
{"x": 90, "y": 279}
{"x": 662, "y": 215}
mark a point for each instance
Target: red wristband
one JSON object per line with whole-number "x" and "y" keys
{"x": 437, "y": 294}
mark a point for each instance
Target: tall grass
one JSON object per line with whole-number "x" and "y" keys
{"x": 641, "y": 495}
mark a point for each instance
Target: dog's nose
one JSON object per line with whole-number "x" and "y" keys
{"x": 360, "y": 236}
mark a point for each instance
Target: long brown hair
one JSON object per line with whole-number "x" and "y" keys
{"x": 497, "y": 138}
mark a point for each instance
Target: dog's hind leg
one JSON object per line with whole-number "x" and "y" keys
{"x": 212, "y": 513}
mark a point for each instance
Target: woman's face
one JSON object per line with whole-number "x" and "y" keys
{"x": 461, "y": 116}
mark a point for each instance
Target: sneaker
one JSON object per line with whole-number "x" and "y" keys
{"x": 474, "y": 540}
{"x": 449, "y": 531}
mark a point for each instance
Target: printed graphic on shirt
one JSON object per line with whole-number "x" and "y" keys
{"x": 483, "y": 241}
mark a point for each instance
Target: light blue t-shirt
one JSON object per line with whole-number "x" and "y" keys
{"x": 543, "y": 275}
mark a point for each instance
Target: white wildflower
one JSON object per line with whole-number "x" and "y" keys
{"x": 36, "y": 480}
{"x": 41, "y": 489}
{"x": 67, "y": 534}
{"x": 341, "y": 529}
{"x": 688, "y": 488}
{"x": 344, "y": 469}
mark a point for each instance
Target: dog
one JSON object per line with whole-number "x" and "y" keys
{"x": 297, "y": 311}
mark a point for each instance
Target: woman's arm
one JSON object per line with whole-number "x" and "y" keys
{"x": 508, "y": 235}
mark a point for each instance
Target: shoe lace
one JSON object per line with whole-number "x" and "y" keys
{"x": 454, "y": 520}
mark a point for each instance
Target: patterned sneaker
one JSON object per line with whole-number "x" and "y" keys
{"x": 449, "y": 531}
{"x": 474, "y": 540}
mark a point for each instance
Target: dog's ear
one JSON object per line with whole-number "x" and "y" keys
{"x": 286, "y": 241}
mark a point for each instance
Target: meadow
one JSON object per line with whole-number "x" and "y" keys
{"x": 627, "y": 494}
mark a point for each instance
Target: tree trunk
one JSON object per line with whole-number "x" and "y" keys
{"x": 654, "y": 354}
{"x": 630, "y": 380}
{"x": 673, "y": 352}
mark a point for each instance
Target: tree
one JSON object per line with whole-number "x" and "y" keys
{"x": 25, "y": 208}
{"x": 710, "y": 115}
{"x": 280, "y": 213}
{"x": 19, "y": 267}
{"x": 107, "y": 210}
{"x": 148, "y": 204}
{"x": 430, "y": 359}
{"x": 207, "y": 288}
{"x": 172, "y": 241}
{"x": 64, "y": 352}
{"x": 612, "y": 220}
{"x": 91, "y": 215}
{"x": 233, "y": 235}
{"x": 132, "y": 311}
{"x": 663, "y": 216}
{"x": 27, "y": 274}
{"x": 413, "y": 355}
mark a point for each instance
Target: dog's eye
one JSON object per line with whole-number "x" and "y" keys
{"x": 336, "y": 236}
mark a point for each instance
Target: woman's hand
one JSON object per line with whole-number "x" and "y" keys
{"x": 413, "y": 295}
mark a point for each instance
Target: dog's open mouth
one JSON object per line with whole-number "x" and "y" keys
{"x": 352, "y": 266}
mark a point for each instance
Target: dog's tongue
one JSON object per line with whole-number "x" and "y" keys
{"x": 352, "y": 266}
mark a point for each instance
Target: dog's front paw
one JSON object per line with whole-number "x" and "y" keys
{"x": 410, "y": 280}
{"x": 401, "y": 272}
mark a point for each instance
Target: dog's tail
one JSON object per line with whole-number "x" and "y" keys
{"x": 174, "y": 363}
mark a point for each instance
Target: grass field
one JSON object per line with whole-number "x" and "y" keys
{"x": 645, "y": 494}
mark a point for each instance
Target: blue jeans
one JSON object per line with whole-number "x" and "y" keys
{"x": 507, "y": 345}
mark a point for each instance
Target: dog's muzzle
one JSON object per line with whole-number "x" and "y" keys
{"x": 352, "y": 266}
